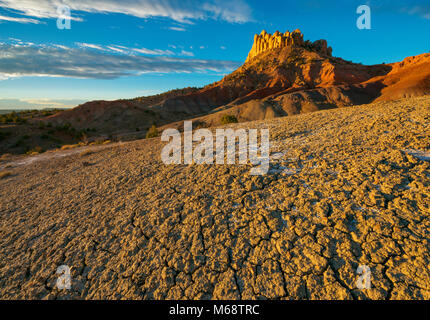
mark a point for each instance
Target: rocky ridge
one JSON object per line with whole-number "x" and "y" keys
{"x": 265, "y": 41}
{"x": 283, "y": 75}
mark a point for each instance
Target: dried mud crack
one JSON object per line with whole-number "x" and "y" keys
{"x": 347, "y": 187}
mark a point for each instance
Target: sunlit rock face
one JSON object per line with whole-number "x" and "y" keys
{"x": 265, "y": 41}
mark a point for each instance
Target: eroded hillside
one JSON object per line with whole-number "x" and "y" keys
{"x": 283, "y": 75}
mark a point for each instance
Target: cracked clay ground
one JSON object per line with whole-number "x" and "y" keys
{"x": 347, "y": 187}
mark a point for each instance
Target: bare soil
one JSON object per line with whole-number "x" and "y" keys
{"x": 347, "y": 187}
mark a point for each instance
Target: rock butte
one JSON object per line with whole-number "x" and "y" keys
{"x": 283, "y": 75}
{"x": 265, "y": 41}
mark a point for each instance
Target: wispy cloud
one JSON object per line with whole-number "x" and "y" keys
{"x": 126, "y": 50}
{"x": 187, "y": 53}
{"x": 422, "y": 10}
{"x": 412, "y": 7}
{"x": 23, "y": 104}
{"x": 87, "y": 45}
{"x": 155, "y": 52}
{"x": 20, "y": 60}
{"x": 20, "y": 20}
{"x": 177, "y": 29}
{"x": 117, "y": 49}
{"x": 185, "y": 11}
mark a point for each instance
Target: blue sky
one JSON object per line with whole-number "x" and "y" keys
{"x": 129, "y": 48}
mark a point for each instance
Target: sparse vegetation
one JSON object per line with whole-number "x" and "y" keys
{"x": 70, "y": 146}
{"x": 151, "y": 100}
{"x": 12, "y": 118}
{"x": 21, "y": 117}
{"x": 35, "y": 150}
{"x": 152, "y": 132}
{"x": 199, "y": 124}
{"x": 226, "y": 119}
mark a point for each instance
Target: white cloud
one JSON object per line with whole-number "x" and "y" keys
{"x": 155, "y": 52}
{"x": 59, "y": 61}
{"x": 185, "y": 11}
{"x": 177, "y": 29}
{"x": 125, "y": 50}
{"x": 186, "y": 53}
{"x": 23, "y": 104}
{"x": 230, "y": 11}
{"x": 88, "y": 45}
{"x": 20, "y": 20}
{"x": 116, "y": 49}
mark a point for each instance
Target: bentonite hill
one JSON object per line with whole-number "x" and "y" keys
{"x": 348, "y": 189}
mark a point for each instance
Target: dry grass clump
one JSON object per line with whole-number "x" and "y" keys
{"x": 152, "y": 132}
{"x": 98, "y": 142}
{"x": 70, "y": 146}
{"x": 227, "y": 119}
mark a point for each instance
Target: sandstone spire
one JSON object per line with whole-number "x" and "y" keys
{"x": 265, "y": 41}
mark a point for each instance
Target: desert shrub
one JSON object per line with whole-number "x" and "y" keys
{"x": 152, "y": 132}
{"x": 226, "y": 119}
{"x": 12, "y": 117}
{"x": 199, "y": 125}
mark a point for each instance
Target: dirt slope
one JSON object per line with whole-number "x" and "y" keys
{"x": 346, "y": 187}
{"x": 409, "y": 78}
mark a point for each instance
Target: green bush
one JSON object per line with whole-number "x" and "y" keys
{"x": 152, "y": 132}
{"x": 226, "y": 119}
